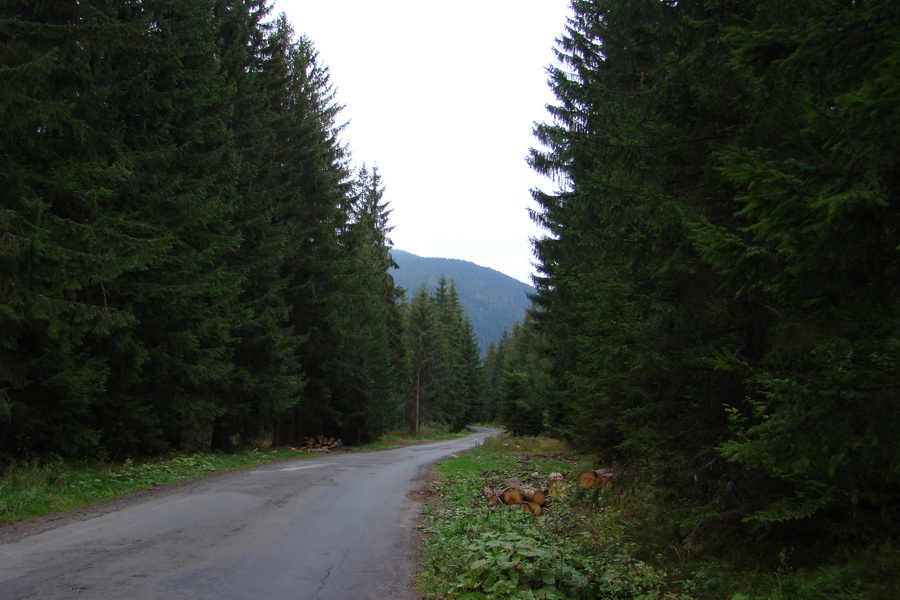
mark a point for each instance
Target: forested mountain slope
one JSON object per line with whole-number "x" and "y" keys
{"x": 493, "y": 301}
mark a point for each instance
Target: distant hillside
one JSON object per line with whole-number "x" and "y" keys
{"x": 493, "y": 301}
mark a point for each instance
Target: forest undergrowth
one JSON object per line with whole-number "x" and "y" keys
{"x": 615, "y": 543}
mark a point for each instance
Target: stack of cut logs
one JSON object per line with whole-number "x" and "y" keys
{"x": 530, "y": 499}
{"x": 320, "y": 443}
{"x": 517, "y": 495}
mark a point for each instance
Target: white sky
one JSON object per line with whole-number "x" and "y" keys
{"x": 442, "y": 97}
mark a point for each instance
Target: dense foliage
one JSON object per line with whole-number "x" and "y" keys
{"x": 187, "y": 258}
{"x": 718, "y": 304}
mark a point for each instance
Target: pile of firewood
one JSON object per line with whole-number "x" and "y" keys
{"x": 517, "y": 495}
{"x": 528, "y": 498}
{"x": 320, "y": 443}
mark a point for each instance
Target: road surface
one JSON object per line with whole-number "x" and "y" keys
{"x": 331, "y": 527}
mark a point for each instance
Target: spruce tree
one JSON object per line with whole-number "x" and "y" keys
{"x": 315, "y": 184}
{"x": 267, "y": 377}
{"x": 367, "y": 393}
{"x": 621, "y": 286}
{"x": 463, "y": 382}
{"x": 524, "y": 383}
{"x": 812, "y": 244}
{"x": 492, "y": 372}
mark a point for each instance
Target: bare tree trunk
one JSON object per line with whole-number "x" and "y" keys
{"x": 416, "y": 399}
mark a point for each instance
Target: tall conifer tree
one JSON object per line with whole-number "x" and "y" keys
{"x": 368, "y": 390}
{"x": 315, "y": 182}
{"x": 267, "y": 379}
{"x": 444, "y": 358}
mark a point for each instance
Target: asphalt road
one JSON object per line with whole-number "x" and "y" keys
{"x": 331, "y": 527}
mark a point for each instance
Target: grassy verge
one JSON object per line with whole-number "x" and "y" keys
{"x": 607, "y": 544}
{"x": 40, "y": 487}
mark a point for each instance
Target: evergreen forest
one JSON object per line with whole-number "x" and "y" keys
{"x": 717, "y": 307}
{"x": 187, "y": 258}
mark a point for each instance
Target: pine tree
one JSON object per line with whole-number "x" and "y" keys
{"x": 267, "y": 380}
{"x": 315, "y": 184}
{"x": 367, "y": 395}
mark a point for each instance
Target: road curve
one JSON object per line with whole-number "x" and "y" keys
{"x": 332, "y": 527}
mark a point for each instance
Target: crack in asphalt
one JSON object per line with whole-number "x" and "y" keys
{"x": 328, "y": 572}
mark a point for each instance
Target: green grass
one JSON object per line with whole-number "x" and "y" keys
{"x": 610, "y": 544}
{"x": 473, "y": 551}
{"x": 40, "y": 487}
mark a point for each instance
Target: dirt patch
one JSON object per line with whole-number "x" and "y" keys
{"x": 426, "y": 487}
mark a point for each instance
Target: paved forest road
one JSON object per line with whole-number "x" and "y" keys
{"x": 331, "y": 527}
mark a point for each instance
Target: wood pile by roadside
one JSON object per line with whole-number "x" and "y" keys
{"x": 516, "y": 494}
{"x": 319, "y": 443}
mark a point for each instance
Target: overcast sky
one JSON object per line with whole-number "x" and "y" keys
{"x": 442, "y": 97}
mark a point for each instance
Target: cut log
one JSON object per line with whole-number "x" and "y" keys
{"x": 519, "y": 495}
{"x": 512, "y": 496}
{"x": 531, "y": 507}
{"x": 586, "y": 479}
{"x": 555, "y": 484}
{"x": 603, "y": 481}
{"x": 596, "y": 478}
{"x": 491, "y": 495}
{"x": 604, "y": 478}
{"x": 533, "y": 495}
